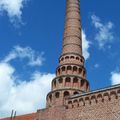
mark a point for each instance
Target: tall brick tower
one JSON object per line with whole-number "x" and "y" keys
{"x": 70, "y": 98}
{"x": 70, "y": 74}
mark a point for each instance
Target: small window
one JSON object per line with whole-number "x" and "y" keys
{"x": 75, "y": 93}
{"x": 72, "y": 57}
{"x": 63, "y": 68}
{"x": 82, "y": 83}
{"x": 75, "y": 80}
{"x": 55, "y": 83}
{"x": 68, "y": 79}
{"x": 62, "y": 59}
{"x": 77, "y": 58}
{"x": 69, "y": 68}
{"x": 57, "y": 94}
{"x": 67, "y": 57}
{"x": 66, "y": 94}
{"x": 60, "y": 80}
{"x": 74, "y": 68}
{"x": 50, "y": 97}
{"x": 80, "y": 70}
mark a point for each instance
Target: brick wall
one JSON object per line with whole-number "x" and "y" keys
{"x": 103, "y": 104}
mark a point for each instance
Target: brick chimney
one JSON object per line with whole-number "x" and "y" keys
{"x": 70, "y": 74}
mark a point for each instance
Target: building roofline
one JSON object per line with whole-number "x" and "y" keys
{"x": 95, "y": 91}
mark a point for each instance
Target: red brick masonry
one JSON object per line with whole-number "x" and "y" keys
{"x": 70, "y": 97}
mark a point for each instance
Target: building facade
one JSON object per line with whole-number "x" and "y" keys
{"x": 70, "y": 97}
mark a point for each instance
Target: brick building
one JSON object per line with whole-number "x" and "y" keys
{"x": 70, "y": 97}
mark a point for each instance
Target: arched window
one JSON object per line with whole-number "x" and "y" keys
{"x": 99, "y": 98}
{"x": 72, "y": 57}
{"x": 87, "y": 101}
{"x": 118, "y": 93}
{"x": 80, "y": 70}
{"x": 67, "y": 57}
{"x": 55, "y": 83}
{"x": 93, "y": 100}
{"x": 75, "y": 103}
{"x": 69, "y": 67}
{"x": 81, "y": 60}
{"x": 75, "y": 80}
{"x": 70, "y": 104}
{"x": 84, "y": 73}
{"x": 50, "y": 98}
{"x": 62, "y": 59}
{"x": 66, "y": 94}
{"x": 77, "y": 58}
{"x": 82, "y": 83}
{"x": 106, "y": 97}
{"x": 113, "y": 95}
{"x": 75, "y": 93}
{"x": 60, "y": 80}
{"x": 67, "y": 80}
{"x": 57, "y": 94}
{"x": 87, "y": 86}
{"x": 81, "y": 102}
{"x": 63, "y": 68}
{"x": 59, "y": 71}
{"x": 74, "y": 69}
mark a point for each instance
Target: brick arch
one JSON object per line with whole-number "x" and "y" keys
{"x": 54, "y": 84}
{"x": 50, "y": 98}
{"x": 70, "y": 104}
{"x": 75, "y": 103}
{"x": 67, "y": 57}
{"x": 75, "y": 82}
{"x": 72, "y": 57}
{"x": 60, "y": 80}
{"x": 75, "y": 93}
{"x": 113, "y": 95}
{"x": 82, "y": 83}
{"x": 87, "y": 86}
{"x": 81, "y": 102}
{"x": 68, "y": 81}
{"x": 62, "y": 58}
{"x": 57, "y": 94}
{"x": 58, "y": 71}
{"x": 66, "y": 94}
{"x": 69, "y": 69}
{"x": 93, "y": 99}
{"x": 77, "y": 58}
{"x": 75, "y": 69}
{"x": 81, "y": 60}
{"x": 80, "y": 70}
{"x": 63, "y": 68}
{"x": 84, "y": 73}
{"x": 99, "y": 98}
{"x": 87, "y": 100}
{"x": 118, "y": 93}
{"x": 106, "y": 97}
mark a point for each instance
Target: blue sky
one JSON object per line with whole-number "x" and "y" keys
{"x": 31, "y": 40}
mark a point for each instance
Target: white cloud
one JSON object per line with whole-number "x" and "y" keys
{"x": 85, "y": 45}
{"x": 115, "y": 78}
{"x": 105, "y": 32}
{"x": 26, "y": 96}
{"x": 34, "y": 58}
{"x": 13, "y": 8}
